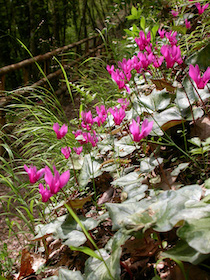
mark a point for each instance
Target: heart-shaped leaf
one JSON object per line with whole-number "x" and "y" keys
{"x": 65, "y": 274}
{"x": 183, "y": 252}
{"x": 90, "y": 169}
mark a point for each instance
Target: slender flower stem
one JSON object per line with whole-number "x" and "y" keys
{"x": 204, "y": 106}
{"x": 191, "y": 109}
{"x": 72, "y": 162}
{"x": 93, "y": 179}
{"x": 129, "y": 133}
{"x": 161, "y": 168}
{"x": 75, "y": 175}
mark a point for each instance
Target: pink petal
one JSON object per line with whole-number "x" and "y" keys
{"x": 64, "y": 178}
{"x": 48, "y": 175}
{"x": 56, "y": 127}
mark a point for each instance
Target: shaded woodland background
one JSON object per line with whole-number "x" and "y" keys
{"x": 46, "y": 25}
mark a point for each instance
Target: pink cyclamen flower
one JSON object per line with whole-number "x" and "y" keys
{"x": 146, "y": 128}
{"x": 85, "y": 137}
{"x": 136, "y": 64}
{"x": 123, "y": 102}
{"x": 110, "y": 69}
{"x": 195, "y": 75}
{"x": 126, "y": 66}
{"x": 45, "y": 193}
{"x": 171, "y": 36}
{"x": 78, "y": 150}
{"x": 33, "y": 174}
{"x": 174, "y": 13}
{"x": 143, "y": 40}
{"x": 187, "y": 24}
{"x": 172, "y": 55}
{"x": 145, "y": 59}
{"x": 200, "y": 8}
{"x": 87, "y": 120}
{"x": 161, "y": 33}
{"x": 119, "y": 77}
{"x": 102, "y": 115}
{"x": 93, "y": 139}
{"x": 79, "y": 136}
{"x": 66, "y": 152}
{"x": 60, "y": 132}
{"x": 118, "y": 114}
{"x": 158, "y": 61}
{"x": 57, "y": 181}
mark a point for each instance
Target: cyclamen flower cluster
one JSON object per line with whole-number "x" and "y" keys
{"x": 53, "y": 183}
{"x": 85, "y": 137}
{"x": 102, "y": 115}
{"x": 60, "y": 133}
{"x": 146, "y": 57}
{"x": 200, "y": 8}
{"x": 87, "y": 121}
{"x": 172, "y": 55}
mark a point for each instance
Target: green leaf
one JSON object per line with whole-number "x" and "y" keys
{"x": 65, "y": 274}
{"x": 67, "y": 229}
{"x": 144, "y": 220}
{"x": 197, "y": 113}
{"x": 195, "y": 141}
{"x": 90, "y": 169}
{"x": 128, "y": 179}
{"x": 96, "y": 269}
{"x": 207, "y": 184}
{"x": 78, "y": 221}
{"x": 129, "y": 32}
{"x": 166, "y": 119}
{"x": 135, "y": 14}
{"x": 182, "y": 100}
{"x": 143, "y": 22}
{"x": 71, "y": 232}
{"x": 105, "y": 145}
{"x": 44, "y": 230}
{"x": 135, "y": 29}
{"x": 149, "y": 164}
{"x": 124, "y": 146}
{"x": 134, "y": 11}
{"x": 197, "y": 234}
{"x": 120, "y": 213}
{"x": 135, "y": 192}
{"x": 179, "y": 168}
{"x": 183, "y": 252}
{"x": 162, "y": 212}
{"x": 156, "y": 101}
{"x": 181, "y": 29}
{"x": 86, "y": 251}
{"x": 200, "y": 57}
{"x": 171, "y": 204}
{"x": 77, "y": 162}
{"x": 154, "y": 30}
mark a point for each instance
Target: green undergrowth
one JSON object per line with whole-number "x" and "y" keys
{"x": 131, "y": 209}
